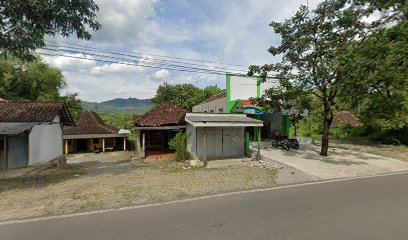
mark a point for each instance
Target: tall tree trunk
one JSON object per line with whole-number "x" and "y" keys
{"x": 328, "y": 118}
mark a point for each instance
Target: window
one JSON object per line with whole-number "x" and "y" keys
{"x": 95, "y": 140}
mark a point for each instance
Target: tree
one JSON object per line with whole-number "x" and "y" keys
{"x": 378, "y": 71}
{"x": 286, "y": 96}
{"x": 34, "y": 81}
{"x": 73, "y": 104}
{"x": 185, "y": 95}
{"x": 23, "y": 24}
{"x": 29, "y": 81}
{"x": 312, "y": 43}
{"x": 210, "y": 91}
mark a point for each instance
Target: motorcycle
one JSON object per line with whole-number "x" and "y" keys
{"x": 280, "y": 140}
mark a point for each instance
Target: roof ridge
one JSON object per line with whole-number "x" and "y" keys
{"x": 101, "y": 124}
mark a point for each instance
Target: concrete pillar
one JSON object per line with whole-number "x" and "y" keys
{"x": 258, "y": 154}
{"x": 205, "y": 150}
{"x": 124, "y": 144}
{"x": 143, "y": 144}
{"x": 66, "y": 146}
{"x": 103, "y": 144}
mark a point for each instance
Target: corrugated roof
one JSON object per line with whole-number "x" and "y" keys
{"x": 12, "y": 111}
{"x": 91, "y": 123}
{"x": 165, "y": 114}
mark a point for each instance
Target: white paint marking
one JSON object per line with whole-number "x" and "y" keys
{"x": 29, "y": 220}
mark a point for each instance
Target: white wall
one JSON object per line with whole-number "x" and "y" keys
{"x": 215, "y": 106}
{"x": 243, "y": 87}
{"x": 45, "y": 142}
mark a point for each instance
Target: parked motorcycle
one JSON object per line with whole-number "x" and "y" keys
{"x": 280, "y": 140}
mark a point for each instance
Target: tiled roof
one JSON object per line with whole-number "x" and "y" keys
{"x": 165, "y": 114}
{"x": 11, "y": 111}
{"x": 90, "y": 123}
{"x": 215, "y": 97}
{"x": 345, "y": 117}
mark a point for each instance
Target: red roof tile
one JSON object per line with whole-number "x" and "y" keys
{"x": 165, "y": 114}
{"x": 90, "y": 123}
{"x": 12, "y": 111}
{"x": 345, "y": 117}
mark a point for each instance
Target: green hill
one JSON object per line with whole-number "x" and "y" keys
{"x": 119, "y": 105}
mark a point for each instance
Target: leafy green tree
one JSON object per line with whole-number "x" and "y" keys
{"x": 210, "y": 91}
{"x": 378, "y": 71}
{"x": 119, "y": 120}
{"x": 185, "y": 95}
{"x": 35, "y": 80}
{"x": 312, "y": 46}
{"x": 74, "y": 105}
{"x": 23, "y": 24}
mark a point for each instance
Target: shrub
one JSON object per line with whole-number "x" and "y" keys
{"x": 179, "y": 144}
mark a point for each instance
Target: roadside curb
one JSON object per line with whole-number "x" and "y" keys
{"x": 279, "y": 187}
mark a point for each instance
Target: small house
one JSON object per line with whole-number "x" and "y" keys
{"x": 91, "y": 133}
{"x": 344, "y": 118}
{"x": 31, "y": 132}
{"x": 158, "y": 126}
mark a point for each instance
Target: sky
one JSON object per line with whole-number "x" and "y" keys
{"x": 232, "y": 32}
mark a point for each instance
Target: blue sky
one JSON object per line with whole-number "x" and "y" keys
{"x": 228, "y": 31}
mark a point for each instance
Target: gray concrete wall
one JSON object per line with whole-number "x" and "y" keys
{"x": 220, "y": 142}
{"x": 216, "y": 106}
{"x": 45, "y": 143}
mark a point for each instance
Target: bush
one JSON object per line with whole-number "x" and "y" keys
{"x": 179, "y": 144}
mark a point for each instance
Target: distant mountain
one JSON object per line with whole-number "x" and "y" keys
{"x": 129, "y": 102}
{"x": 119, "y": 105}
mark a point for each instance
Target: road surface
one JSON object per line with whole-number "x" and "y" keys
{"x": 373, "y": 208}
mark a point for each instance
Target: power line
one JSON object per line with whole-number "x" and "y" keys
{"x": 174, "y": 66}
{"x": 130, "y": 74}
{"x": 164, "y": 56}
{"x": 132, "y": 64}
{"x": 150, "y": 60}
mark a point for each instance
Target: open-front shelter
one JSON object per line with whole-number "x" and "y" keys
{"x": 158, "y": 126}
{"x": 91, "y": 133}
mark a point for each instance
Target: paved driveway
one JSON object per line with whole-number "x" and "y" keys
{"x": 339, "y": 164}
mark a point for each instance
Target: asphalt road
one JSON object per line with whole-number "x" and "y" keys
{"x": 374, "y": 208}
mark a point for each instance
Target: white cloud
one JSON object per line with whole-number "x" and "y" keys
{"x": 116, "y": 68}
{"x": 233, "y": 31}
{"x": 71, "y": 60}
{"x": 162, "y": 74}
{"x": 123, "y": 20}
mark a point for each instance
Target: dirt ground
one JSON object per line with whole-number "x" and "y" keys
{"x": 391, "y": 151}
{"x": 96, "y": 181}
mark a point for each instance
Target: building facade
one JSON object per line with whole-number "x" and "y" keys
{"x": 31, "y": 132}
